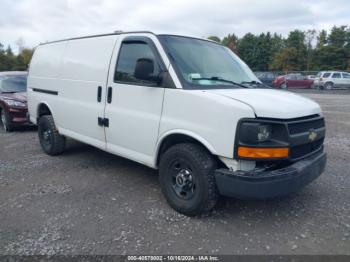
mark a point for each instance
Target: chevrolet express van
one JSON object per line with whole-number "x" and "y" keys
{"x": 186, "y": 106}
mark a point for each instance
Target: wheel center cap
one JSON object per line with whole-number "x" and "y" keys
{"x": 183, "y": 178}
{"x": 46, "y": 135}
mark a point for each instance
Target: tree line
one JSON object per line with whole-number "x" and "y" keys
{"x": 299, "y": 51}
{"x": 11, "y": 62}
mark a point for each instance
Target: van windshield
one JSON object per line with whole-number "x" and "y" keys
{"x": 202, "y": 64}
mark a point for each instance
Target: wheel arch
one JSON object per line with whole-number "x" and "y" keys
{"x": 43, "y": 109}
{"x": 174, "y": 137}
{"x": 329, "y": 83}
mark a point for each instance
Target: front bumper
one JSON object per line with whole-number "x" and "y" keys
{"x": 269, "y": 184}
{"x": 18, "y": 116}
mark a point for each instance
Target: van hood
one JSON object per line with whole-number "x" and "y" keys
{"x": 272, "y": 103}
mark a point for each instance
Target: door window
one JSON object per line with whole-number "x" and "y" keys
{"x": 290, "y": 77}
{"x": 137, "y": 65}
{"x": 336, "y": 75}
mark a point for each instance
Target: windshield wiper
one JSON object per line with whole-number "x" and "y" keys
{"x": 8, "y": 92}
{"x": 219, "y": 79}
{"x": 254, "y": 83}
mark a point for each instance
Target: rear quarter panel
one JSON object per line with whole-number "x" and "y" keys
{"x": 44, "y": 71}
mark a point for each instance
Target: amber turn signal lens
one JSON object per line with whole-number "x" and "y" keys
{"x": 256, "y": 152}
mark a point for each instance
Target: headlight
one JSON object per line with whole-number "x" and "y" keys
{"x": 264, "y": 133}
{"x": 252, "y": 133}
{"x": 261, "y": 139}
{"x": 14, "y": 103}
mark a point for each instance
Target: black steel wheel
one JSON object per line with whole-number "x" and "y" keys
{"x": 186, "y": 174}
{"x": 183, "y": 181}
{"x": 50, "y": 140}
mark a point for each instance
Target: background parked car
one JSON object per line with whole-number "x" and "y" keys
{"x": 266, "y": 77}
{"x": 13, "y": 99}
{"x": 312, "y": 77}
{"x": 293, "y": 81}
{"x": 332, "y": 79}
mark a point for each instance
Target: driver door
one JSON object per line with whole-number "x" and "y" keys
{"x": 134, "y": 99}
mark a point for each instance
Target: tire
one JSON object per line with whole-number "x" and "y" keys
{"x": 328, "y": 85}
{"x": 186, "y": 174}
{"x": 5, "y": 120}
{"x": 284, "y": 86}
{"x": 50, "y": 140}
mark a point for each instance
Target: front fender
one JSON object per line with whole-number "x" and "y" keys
{"x": 188, "y": 133}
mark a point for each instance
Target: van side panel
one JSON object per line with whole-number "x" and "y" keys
{"x": 46, "y": 62}
{"x": 44, "y": 72}
{"x": 75, "y": 75}
{"x": 88, "y": 59}
{"x": 84, "y": 68}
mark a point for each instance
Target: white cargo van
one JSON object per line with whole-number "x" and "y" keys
{"x": 186, "y": 106}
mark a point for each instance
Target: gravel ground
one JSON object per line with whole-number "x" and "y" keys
{"x": 87, "y": 201}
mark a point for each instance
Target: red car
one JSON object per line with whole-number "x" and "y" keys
{"x": 13, "y": 99}
{"x": 293, "y": 81}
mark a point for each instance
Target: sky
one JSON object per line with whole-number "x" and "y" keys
{"x": 35, "y": 21}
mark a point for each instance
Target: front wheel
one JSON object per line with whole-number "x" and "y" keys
{"x": 5, "y": 120}
{"x": 50, "y": 140}
{"x": 328, "y": 86}
{"x": 187, "y": 179}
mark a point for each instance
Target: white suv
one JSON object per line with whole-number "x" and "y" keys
{"x": 332, "y": 79}
{"x": 186, "y": 106}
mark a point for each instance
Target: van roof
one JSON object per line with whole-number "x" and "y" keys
{"x": 91, "y": 36}
{"x": 120, "y": 33}
{"x": 334, "y": 71}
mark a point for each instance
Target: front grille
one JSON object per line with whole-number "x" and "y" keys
{"x": 301, "y": 128}
{"x": 300, "y": 151}
{"x": 305, "y": 126}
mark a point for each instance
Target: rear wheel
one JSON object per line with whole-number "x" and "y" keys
{"x": 5, "y": 120}
{"x": 50, "y": 140}
{"x": 187, "y": 179}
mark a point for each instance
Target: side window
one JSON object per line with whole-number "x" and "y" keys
{"x": 326, "y": 75}
{"x": 346, "y": 75}
{"x": 137, "y": 64}
{"x": 336, "y": 75}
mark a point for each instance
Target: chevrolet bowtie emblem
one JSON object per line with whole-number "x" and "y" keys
{"x": 312, "y": 135}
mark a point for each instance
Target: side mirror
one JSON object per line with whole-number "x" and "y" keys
{"x": 144, "y": 69}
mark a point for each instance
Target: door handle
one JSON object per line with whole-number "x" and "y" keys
{"x": 109, "y": 95}
{"x": 99, "y": 93}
